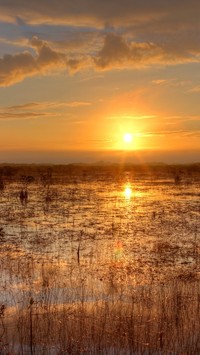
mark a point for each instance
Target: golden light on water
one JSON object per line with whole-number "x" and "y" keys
{"x": 128, "y": 192}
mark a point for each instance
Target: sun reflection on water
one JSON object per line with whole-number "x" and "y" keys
{"x": 128, "y": 192}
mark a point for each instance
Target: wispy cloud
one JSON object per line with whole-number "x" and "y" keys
{"x": 20, "y": 42}
{"x": 194, "y": 89}
{"x": 159, "y": 81}
{"x": 32, "y": 110}
{"x": 131, "y": 117}
{"x": 4, "y": 115}
{"x": 113, "y": 12}
{"x": 185, "y": 133}
{"x": 85, "y": 12}
{"x": 49, "y": 104}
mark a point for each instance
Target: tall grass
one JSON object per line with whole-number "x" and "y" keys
{"x": 76, "y": 318}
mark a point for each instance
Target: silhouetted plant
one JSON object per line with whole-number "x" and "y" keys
{"x": 2, "y": 185}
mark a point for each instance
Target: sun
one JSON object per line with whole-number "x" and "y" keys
{"x": 128, "y": 137}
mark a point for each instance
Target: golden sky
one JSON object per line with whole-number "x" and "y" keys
{"x": 79, "y": 75}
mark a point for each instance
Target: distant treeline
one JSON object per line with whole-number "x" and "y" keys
{"x": 34, "y": 172}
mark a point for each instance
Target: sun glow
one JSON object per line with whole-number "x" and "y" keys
{"x": 128, "y": 137}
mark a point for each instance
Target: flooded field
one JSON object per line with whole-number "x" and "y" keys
{"x": 96, "y": 261}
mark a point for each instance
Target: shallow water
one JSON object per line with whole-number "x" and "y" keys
{"x": 100, "y": 262}
{"x": 108, "y": 234}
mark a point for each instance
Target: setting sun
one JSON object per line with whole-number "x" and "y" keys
{"x": 127, "y": 138}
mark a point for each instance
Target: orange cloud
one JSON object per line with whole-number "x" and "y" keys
{"x": 33, "y": 110}
{"x": 15, "y": 68}
{"x": 118, "y": 52}
{"x": 110, "y": 52}
{"x": 22, "y": 115}
{"x": 49, "y": 104}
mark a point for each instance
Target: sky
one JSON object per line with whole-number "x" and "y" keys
{"x": 76, "y": 76}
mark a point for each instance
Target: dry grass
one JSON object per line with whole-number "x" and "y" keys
{"x": 57, "y": 313}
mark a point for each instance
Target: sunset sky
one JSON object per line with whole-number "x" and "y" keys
{"x": 76, "y": 76}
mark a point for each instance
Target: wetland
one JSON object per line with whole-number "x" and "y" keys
{"x": 100, "y": 259}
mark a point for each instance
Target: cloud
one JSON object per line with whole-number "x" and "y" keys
{"x": 75, "y": 104}
{"x": 118, "y": 52}
{"x": 49, "y": 105}
{"x": 4, "y": 115}
{"x": 19, "y": 42}
{"x": 33, "y": 110}
{"x": 83, "y": 12}
{"x": 15, "y": 68}
{"x": 159, "y": 81}
{"x": 112, "y": 12}
{"x": 131, "y": 117}
{"x": 162, "y": 133}
{"x": 102, "y": 35}
{"x": 76, "y": 41}
{"x": 195, "y": 89}
{"x": 29, "y": 105}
